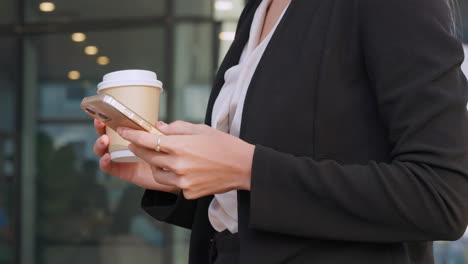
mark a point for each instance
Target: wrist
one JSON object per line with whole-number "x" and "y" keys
{"x": 246, "y": 173}
{"x": 173, "y": 190}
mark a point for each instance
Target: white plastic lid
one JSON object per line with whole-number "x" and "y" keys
{"x": 124, "y": 156}
{"x": 130, "y": 77}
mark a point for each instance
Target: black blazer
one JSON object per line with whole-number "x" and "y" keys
{"x": 358, "y": 113}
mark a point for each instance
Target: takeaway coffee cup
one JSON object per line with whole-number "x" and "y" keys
{"x": 139, "y": 90}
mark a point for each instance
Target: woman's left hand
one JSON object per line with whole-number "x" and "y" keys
{"x": 198, "y": 159}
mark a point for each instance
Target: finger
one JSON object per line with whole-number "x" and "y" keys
{"x": 192, "y": 195}
{"x": 139, "y": 137}
{"x": 113, "y": 168}
{"x": 105, "y": 164}
{"x": 164, "y": 177}
{"x": 160, "y": 160}
{"x": 148, "y": 140}
{"x": 179, "y": 128}
{"x": 101, "y": 145}
{"x": 100, "y": 127}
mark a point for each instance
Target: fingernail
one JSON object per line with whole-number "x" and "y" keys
{"x": 161, "y": 124}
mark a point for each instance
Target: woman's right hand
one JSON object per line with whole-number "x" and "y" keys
{"x": 138, "y": 173}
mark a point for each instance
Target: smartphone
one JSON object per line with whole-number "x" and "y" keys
{"x": 115, "y": 114}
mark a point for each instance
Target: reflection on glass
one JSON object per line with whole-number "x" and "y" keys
{"x": 91, "y": 50}
{"x": 227, "y": 35}
{"x": 70, "y": 10}
{"x": 82, "y": 214}
{"x": 194, "y": 70}
{"x": 103, "y": 60}
{"x": 228, "y": 9}
{"x": 74, "y": 75}
{"x": 8, "y": 79}
{"x": 194, "y": 8}
{"x": 85, "y": 214}
{"x": 78, "y": 37}
{"x": 226, "y": 43}
{"x": 7, "y": 11}
{"x": 451, "y": 252}
{"x": 223, "y": 5}
{"x": 463, "y": 18}
{"x": 67, "y": 74}
{"x": 47, "y": 7}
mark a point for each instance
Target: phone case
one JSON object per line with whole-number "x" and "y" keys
{"x": 115, "y": 114}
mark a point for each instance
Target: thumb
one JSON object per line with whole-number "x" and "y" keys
{"x": 177, "y": 128}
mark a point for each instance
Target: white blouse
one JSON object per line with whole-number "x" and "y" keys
{"x": 228, "y": 107}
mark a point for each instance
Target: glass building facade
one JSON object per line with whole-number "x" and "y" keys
{"x": 55, "y": 205}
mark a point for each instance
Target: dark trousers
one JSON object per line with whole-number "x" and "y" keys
{"x": 224, "y": 248}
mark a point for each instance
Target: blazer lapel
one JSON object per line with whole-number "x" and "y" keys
{"x": 288, "y": 39}
{"x": 233, "y": 55}
{"x": 295, "y": 50}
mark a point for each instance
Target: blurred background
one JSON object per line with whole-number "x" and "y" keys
{"x": 56, "y": 207}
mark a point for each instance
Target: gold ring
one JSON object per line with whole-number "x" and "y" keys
{"x": 158, "y": 143}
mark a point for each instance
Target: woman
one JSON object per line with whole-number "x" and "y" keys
{"x": 338, "y": 135}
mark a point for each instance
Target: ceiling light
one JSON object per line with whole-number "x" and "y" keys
{"x": 223, "y": 5}
{"x": 74, "y": 75}
{"x": 227, "y": 35}
{"x": 91, "y": 50}
{"x": 78, "y": 37}
{"x": 103, "y": 60}
{"x": 47, "y": 7}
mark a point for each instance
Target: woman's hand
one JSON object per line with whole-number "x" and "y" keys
{"x": 138, "y": 173}
{"x": 198, "y": 159}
